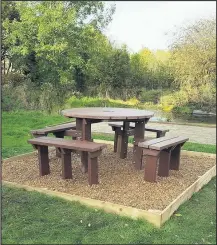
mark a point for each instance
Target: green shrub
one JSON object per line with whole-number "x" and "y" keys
{"x": 13, "y": 79}
{"x": 150, "y": 96}
{"x": 13, "y": 98}
{"x": 182, "y": 109}
{"x": 178, "y": 98}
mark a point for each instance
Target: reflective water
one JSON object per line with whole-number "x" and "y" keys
{"x": 183, "y": 118}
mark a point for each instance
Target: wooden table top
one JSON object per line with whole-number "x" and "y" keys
{"x": 107, "y": 113}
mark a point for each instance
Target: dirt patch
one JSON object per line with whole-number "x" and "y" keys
{"x": 119, "y": 182}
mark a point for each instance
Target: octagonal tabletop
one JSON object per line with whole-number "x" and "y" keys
{"x": 107, "y": 113}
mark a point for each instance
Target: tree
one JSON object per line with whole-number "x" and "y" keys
{"x": 53, "y": 37}
{"x": 10, "y": 13}
{"x": 194, "y": 54}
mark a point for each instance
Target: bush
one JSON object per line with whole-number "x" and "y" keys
{"x": 182, "y": 109}
{"x": 151, "y": 96}
{"x": 13, "y": 98}
{"x": 13, "y": 79}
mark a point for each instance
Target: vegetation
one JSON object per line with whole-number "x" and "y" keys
{"x": 54, "y": 50}
{"x": 32, "y": 218}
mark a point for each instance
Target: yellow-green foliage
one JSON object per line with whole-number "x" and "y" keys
{"x": 74, "y": 102}
{"x": 99, "y": 102}
{"x": 133, "y": 102}
{"x": 168, "y": 102}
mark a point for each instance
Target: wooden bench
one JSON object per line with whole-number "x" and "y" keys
{"x": 58, "y": 130}
{"x": 118, "y": 129}
{"x": 61, "y": 130}
{"x": 165, "y": 150}
{"x": 65, "y": 147}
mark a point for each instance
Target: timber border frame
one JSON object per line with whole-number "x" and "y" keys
{"x": 156, "y": 217}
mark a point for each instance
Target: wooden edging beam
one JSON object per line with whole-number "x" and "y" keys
{"x": 153, "y": 216}
{"x": 156, "y": 217}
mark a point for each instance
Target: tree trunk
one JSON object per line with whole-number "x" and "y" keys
{"x": 10, "y": 64}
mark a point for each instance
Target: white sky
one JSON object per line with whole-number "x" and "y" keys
{"x": 141, "y": 24}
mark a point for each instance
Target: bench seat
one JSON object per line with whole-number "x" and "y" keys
{"x": 65, "y": 148}
{"x": 53, "y": 129}
{"x": 61, "y": 130}
{"x": 118, "y": 129}
{"x": 165, "y": 150}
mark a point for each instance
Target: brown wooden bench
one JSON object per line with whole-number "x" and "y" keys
{"x": 59, "y": 131}
{"x": 165, "y": 150}
{"x": 65, "y": 147}
{"x": 118, "y": 129}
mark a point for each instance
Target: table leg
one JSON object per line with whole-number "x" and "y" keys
{"x": 124, "y": 140}
{"x": 58, "y": 135}
{"x": 85, "y": 126}
{"x": 137, "y": 151}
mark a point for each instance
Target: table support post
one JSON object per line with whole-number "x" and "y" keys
{"x": 58, "y": 135}
{"x": 138, "y": 136}
{"x": 84, "y": 126}
{"x": 124, "y": 140}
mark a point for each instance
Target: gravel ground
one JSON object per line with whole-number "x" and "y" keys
{"x": 119, "y": 182}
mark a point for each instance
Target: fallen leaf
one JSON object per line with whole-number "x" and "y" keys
{"x": 178, "y": 215}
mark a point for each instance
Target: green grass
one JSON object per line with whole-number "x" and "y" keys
{"x": 16, "y": 128}
{"x": 31, "y": 217}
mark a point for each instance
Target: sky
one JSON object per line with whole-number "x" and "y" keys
{"x": 149, "y": 24}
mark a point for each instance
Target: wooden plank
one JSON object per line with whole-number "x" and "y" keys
{"x": 153, "y": 216}
{"x": 146, "y": 144}
{"x": 156, "y": 130}
{"x": 167, "y": 143}
{"x": 187, "y": 194}
{"x": 183, "y": 152}
{"x": 71, "y": 132}
{"x": 104, "y": 113}
{"x": 68, "y": 144}
{"x": 56, "y": 128}
{"x": 132, "y": 126}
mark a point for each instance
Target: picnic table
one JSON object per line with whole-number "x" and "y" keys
{"x": 86, "y": 116}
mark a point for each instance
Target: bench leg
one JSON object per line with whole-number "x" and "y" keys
{"x": 160, "y": 134}
{"x": 93, "y": 171}
{"x": 175, "y": 158}
{"x": 43, "y": 160}
{"x": 84, "y": 125}
{"x": 66, "y": 164}
{"x": 151, "y": 168}
{"x": 164, "y": 163}
{"x": 137, "y": 151}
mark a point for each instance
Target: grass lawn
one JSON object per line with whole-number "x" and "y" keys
{"x": 30, "y": 217}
